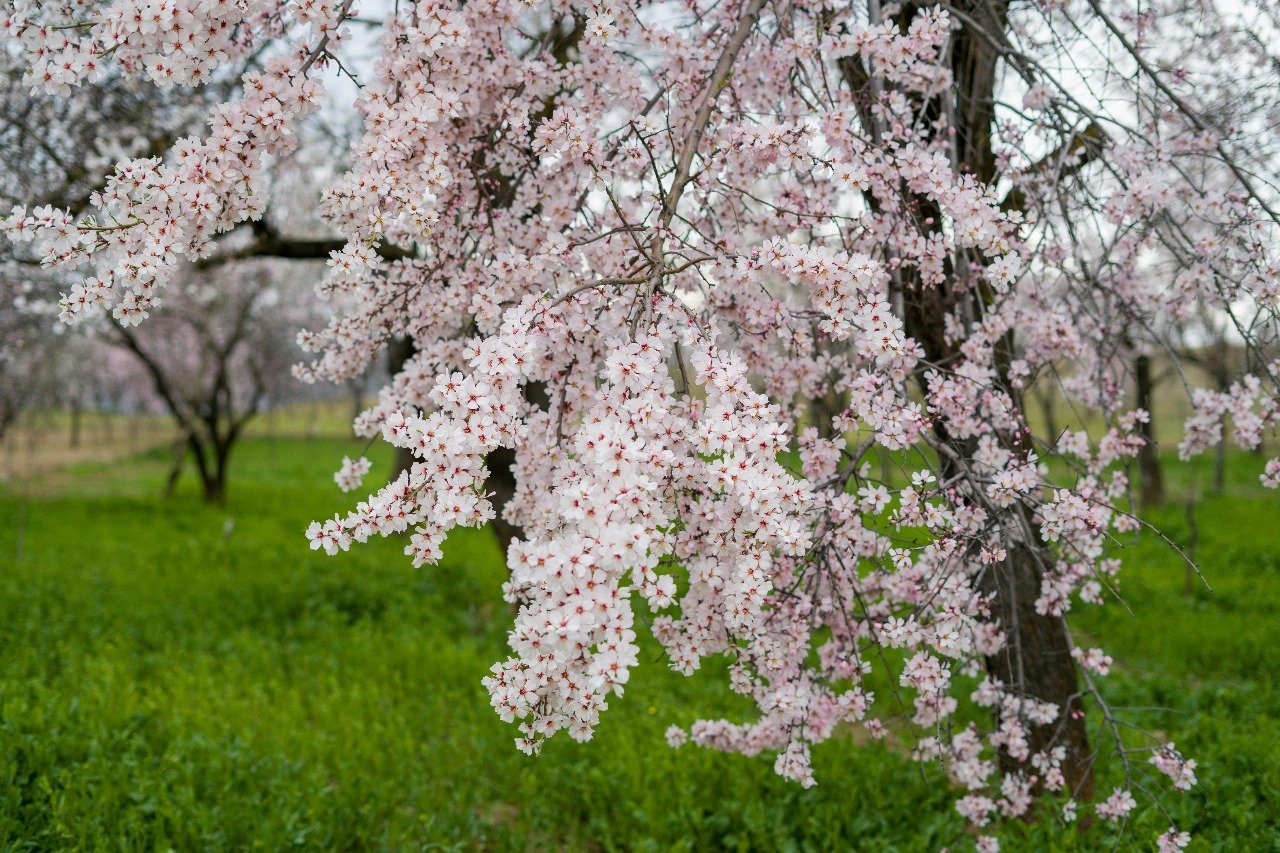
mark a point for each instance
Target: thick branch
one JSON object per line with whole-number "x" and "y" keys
{"x": 269, "y": 243}
{"x": 702, "y": 115}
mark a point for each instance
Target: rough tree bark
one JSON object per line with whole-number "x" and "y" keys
{"x": 1038, "y": 656}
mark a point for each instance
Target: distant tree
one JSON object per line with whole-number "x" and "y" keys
{"x": 1209, "y": 340}
{"x": 27, "y": 360}
{"x": 216, "y": 357}
{"x": 1150, "y": 471}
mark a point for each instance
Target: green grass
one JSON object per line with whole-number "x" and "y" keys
{"x": 176, "y": 676}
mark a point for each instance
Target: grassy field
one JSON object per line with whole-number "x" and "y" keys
{"x": 175, "y": 676}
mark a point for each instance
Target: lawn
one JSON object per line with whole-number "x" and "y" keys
{"x": 176, "y": 676}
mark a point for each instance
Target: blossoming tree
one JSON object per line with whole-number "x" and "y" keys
{"x": 687, "y": 267}
{"x": 24, "y": 369}
{"x": 216, "y": 356}
{"x": 218, "y": 351}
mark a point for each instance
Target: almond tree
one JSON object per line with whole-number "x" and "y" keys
{"x": 692, "y": 273}
{"x": 212, "y": 358}
{"x": 25, "y": 367}
{"x": 216, "y": 355}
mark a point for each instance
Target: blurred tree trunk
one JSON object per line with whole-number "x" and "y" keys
{"x": 207, "y": 419}
{"x": 399, "y": 351}
{"x": 175, "y": 468}
{"x": 357, "y": 397}
{"x": 1220, "y": 465}
{"x": 1049, "y": 411}
{"x": 502, "y": 481}
{"x": 76, "y": 412}
{"x": 1149, "y": 469}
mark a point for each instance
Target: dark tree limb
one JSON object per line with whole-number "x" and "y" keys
{"x": 269, "y": 243}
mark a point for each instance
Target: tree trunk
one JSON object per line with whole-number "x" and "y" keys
{"x": 75, "y": 424}
{"x": 215, "y": 488}
{"x": 175, "y": 469}
{"x": 502, "y": 481}
{"x": 1049, "y": 411}
{"x": 1037, "y": 661}
{"x": 215, "y": 491}
{"x": 502, "y": 487}
{"x": 357, "y": 399}
{"x": 1152, "y": 475}
{"x": 1037, "y": 656}
{"x": 1220, "y": 465}
{"x": 399, "y": 351}
{"x": 211, "y": 464}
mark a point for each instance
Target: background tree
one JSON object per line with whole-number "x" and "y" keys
{"x": 216, "y": 357}
{"x": 1210, "y": 344}
{"x": 26, "y": 368}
